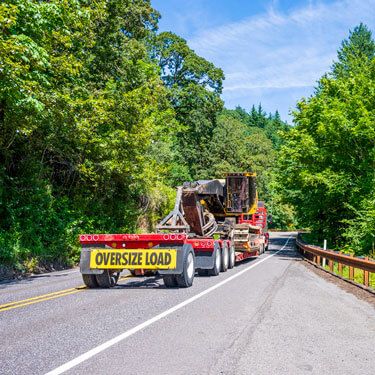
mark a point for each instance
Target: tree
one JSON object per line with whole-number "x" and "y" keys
{"x": 181, "y": 66}
{"x": 236, "y": 147}
{"x": 327, "y": 162}
{"x": 356, "y": 51}
{"x": 194, "y": 92}
{"x": 82, "y": 109}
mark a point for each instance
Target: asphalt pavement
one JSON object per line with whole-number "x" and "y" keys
{"x": 268, "y": 315}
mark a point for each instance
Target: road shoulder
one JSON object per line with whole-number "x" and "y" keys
{"x": 358, "y": 292}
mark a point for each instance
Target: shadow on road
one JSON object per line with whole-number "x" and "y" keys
{"x": 289, "y": 253}
{"x": 28, "y": 280}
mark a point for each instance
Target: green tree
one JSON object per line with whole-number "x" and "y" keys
{"x": 356, "y": 51}
{"x": 194, "y": 91}
{"x": 181, "y": 66}
{"x": 236, "y": 147}
{"x": 82, "y": 109}
{"x": 328, "y": 160}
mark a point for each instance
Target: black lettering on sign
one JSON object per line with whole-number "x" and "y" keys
{"x": 106, "y": 257}
{"x": 161, "y": 259}
{"x": 113, "y": 256}
{"x": 147, "y": 262}
{"x": 153, "y": 259}
{"x": 124, "y": 259}
{"x": 133, "y": 259}
{"x": 99, "y": 258}
{"x": 167, "y": 259}
{"x": 118, "y": 259}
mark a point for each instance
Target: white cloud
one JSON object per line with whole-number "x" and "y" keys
{"x": 280, "y": 51}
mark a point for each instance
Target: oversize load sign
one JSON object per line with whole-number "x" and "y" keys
{"x": 134, "y": 259}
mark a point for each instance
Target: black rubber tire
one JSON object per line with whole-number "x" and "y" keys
{"x": 232, "y": 257}
{"x": 217, "y": 263}
{"x": 90, "y": 281}
{"x": 107, "y": 279}
{"x": 185, "y": 280}
{"x": 170, "y": 281}
{"x": 202, "y": 272}
{"x": 224, "y": 258}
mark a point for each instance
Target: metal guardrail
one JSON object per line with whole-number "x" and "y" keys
{"x": 317, "y": 255}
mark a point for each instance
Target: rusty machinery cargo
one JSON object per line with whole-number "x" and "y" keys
{"x": 214, "y": 224}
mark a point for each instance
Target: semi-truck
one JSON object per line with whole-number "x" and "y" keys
{"x": 214, "y": 224}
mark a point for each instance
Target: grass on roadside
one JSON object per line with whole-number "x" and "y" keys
{"x": 358, "y": 274}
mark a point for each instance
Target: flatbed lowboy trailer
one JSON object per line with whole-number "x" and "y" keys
{"x": 214, "y": 224}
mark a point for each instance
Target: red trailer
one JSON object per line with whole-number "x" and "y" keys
{"x": 214, "y": 224}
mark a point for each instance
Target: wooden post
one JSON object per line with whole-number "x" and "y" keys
{"x": 366, "y": 276}
{"x": 330, "y": 263}
{"x": 318, "y": 259}
{"x": 340, "y": 267}
{"x": 351, "y": 271}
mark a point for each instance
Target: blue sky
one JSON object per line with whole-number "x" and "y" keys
{"x": 272, "y": 52}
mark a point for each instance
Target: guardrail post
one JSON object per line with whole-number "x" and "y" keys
{"x": 339, "y": 266}
{"x": 351, "y": 271}
{"x": 318, "y": 255}
{"x": 366, "y": 276}
{"x": 330, "y": 264}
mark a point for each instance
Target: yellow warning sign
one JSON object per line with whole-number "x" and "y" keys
{"x": 162, "y": 259}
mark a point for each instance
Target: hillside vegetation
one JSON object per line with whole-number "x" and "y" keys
{"x": 102, "y": 116}
{"x": 327, "y": 163}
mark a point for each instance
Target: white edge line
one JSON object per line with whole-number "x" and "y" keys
{"x": 85, "y": 356}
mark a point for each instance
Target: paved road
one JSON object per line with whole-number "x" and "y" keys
{"x": 269, "y": 315}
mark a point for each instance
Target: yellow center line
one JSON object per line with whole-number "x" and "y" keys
{"x": 36, "y": 298}
{"x": 46, "y": 297}
{"x": 39, "y": 300}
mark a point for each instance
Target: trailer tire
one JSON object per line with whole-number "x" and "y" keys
{"x": 217, "y": 261}
{"x": 107, "y": 279}
{"x": 90, "y": 281}
{"x": 185, "y": 279}
{"x": 224, "y": 258}
{"x": 232, "y": 257}
{"x": 170, "y": 281}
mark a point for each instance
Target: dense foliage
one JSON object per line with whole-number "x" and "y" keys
{"x": 81, "y": 104}
{"x": 100, "y": 118}
{"x": 327, "y": 164}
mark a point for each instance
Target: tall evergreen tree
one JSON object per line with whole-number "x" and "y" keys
{"x": 356, "y": 51}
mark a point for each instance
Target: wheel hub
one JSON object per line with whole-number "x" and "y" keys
{"x": 190, "y": 266}
{"x": 217, "y": 259}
